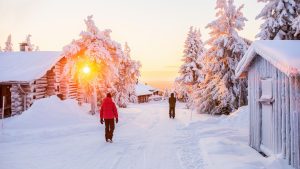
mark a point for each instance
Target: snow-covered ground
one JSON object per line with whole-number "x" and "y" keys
{"x": 56, "y": 134}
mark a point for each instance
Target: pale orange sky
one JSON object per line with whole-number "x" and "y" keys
{"x": 154, "y": 29}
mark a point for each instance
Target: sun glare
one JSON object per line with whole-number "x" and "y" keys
{"x": 86, "y": 69}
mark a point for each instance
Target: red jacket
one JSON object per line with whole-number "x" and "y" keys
{"x": 108, "y": 109}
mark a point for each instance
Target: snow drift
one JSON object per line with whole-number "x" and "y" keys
{"x": 50, "y": 113}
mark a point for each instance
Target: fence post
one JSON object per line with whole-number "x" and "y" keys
{"x": 2, "y": 113}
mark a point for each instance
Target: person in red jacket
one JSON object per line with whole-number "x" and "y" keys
{"x": 108, "y": 112}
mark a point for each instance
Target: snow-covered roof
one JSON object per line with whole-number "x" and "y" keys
{"x": 142, "y": 89}
{"x": 283, "y": 54}
{"x": 26, "y": 66}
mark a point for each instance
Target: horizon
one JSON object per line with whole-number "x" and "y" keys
{"x": 156, "y": 38}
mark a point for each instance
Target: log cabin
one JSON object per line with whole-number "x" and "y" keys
{"x": 29, "y": 76}
{"x": 273, "y": 72}
{"x": 143, "y": 92}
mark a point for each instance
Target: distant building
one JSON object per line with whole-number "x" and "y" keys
{"x": 273, "y": 71}
{"x": 144, "y": 92}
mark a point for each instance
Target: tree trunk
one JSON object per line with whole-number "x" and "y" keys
{"x": 94, "y": 100}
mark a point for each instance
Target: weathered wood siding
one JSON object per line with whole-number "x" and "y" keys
{"x": 294, "y": 121}
{"x": 143, "y": 98}
{"x": 285, "y": 110}
{"x": 23, "y": 94}
{"x": 68, "y": 87}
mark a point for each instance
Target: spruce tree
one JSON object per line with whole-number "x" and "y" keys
{"x": 8, "y": 45}
{"x": 128, "y": 74}
{"x": 190, "y": 69}
{"x": 220, "y": 92}
{"x": 30, "y": 46}
{"x": 281, "y": 20}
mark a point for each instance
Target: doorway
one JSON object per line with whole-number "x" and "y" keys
{"x": 5, "y": 91}
{"x": 266, "y": 101}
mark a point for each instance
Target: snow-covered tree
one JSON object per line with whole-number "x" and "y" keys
{"x": 28, "y": 45}
{"x": 128, "y": 75}
{"x": 166, "y": 94}
{"x": 281, "y": 20}
{"x": 8, "y": 45}
{"x": 135, "y": 74}
{"x": 190, "y": 69}
{"x": 220, "y": 92}
{"x": 296, "y": 27}
{"x": 94, "y": 49}
{"x": 180, "y": 93}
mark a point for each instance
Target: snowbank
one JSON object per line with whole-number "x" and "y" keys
{"x": 238, "y": 119}
{"x": 155, "y": 98}
{"x": 224, "y": 144}
{"x": 50, "y": 113}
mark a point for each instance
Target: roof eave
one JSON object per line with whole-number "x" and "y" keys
{"x": 15, "y": 82}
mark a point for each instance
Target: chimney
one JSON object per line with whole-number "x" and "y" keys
{"x": 24, "y": 47}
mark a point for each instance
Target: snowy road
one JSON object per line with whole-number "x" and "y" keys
{"x": 145, "y": 138}
{"x": 55, "y": 134}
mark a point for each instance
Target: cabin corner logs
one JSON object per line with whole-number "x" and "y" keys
{"x": 21, "y": 95}
{"x": 274, "y": 114}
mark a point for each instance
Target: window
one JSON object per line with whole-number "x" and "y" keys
{"x": 266, "y": 91}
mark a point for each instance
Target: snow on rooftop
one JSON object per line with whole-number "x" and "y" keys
{"x": 142, "y": 89}
{"x": 26, "y": 66}
{"x": 283, "y": 54}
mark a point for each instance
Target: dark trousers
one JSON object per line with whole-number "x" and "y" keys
{"x": 172, "y": 112}
{"x": 109, "y": 128}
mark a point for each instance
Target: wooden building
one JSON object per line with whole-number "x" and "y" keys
{"x": 143, "y": 92}
{"x": 273, "y": 71}
{"x": 29, "y": 76}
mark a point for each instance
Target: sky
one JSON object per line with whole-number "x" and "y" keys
{"x": 154, "y": 29}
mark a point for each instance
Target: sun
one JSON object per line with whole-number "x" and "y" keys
{"x": 86, "y": 69}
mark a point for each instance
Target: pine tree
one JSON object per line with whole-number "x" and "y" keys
{"x": 190, "y": 70}
{"x": 8, "y": 45}
{"x": 220, "y": 92}
{"x": 280, "y": 20}
{"x": 29, "y": 45}
{"x": 128, "y": 74}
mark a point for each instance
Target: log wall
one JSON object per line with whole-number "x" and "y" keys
{"x": 21, "y": 98}
{"x": 68, "y": 88}
{"x": 285, "y": 111}
{"x": 52, "y": 83}
{"x": 143, "y": 98}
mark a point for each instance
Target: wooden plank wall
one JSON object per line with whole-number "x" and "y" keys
{"x": 294, "y": 119}
{"x": 285, "y": 118}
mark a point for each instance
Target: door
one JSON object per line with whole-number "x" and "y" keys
{"x": 5, "y": 91}
{"x": 266, "y": 101}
